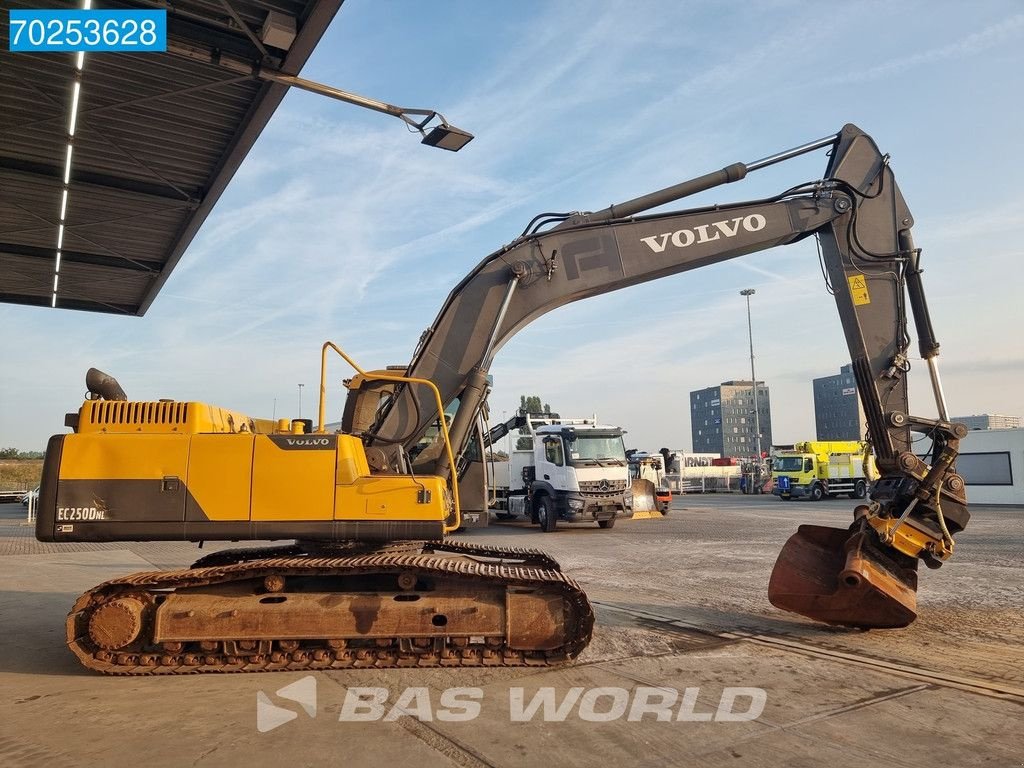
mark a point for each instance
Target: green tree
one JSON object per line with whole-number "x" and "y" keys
{"x": 14, "y": 453}
{"x": 528, "y": 405}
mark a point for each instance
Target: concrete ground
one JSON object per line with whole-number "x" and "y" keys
{"x": 682, "y": 620}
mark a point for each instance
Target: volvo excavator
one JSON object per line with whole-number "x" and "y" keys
{"x": 371, "y": 579}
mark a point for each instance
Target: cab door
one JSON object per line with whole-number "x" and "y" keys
{"x": 551, "y": 467}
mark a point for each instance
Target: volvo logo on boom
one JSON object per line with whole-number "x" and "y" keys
{"x": 705, "y": 233}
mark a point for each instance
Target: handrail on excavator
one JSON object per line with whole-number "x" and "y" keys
{"x": 404, "y": 380}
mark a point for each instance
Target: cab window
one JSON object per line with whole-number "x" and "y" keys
{"x": 553, "y": 451}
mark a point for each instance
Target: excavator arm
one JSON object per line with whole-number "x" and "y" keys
{"x": 865, "y": 576}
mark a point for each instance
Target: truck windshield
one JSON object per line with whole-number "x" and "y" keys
{"x": 597, "y": 449}
{"x": 787, "y": 464}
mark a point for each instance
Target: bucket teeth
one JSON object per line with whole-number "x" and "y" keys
{"x": 842, "y": 577}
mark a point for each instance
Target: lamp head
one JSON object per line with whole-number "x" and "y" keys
{"x": 448, "y": 137}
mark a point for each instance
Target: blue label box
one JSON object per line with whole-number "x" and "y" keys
{"x": 42, "y": 31}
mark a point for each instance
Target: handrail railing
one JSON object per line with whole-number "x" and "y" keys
{"x": 401, "y": 379}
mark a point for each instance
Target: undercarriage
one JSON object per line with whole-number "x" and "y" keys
{"x": 299, "y": 607}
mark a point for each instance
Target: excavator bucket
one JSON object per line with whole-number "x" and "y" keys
{"x": 841, "y": 577}
{"x": 644, "y": 505}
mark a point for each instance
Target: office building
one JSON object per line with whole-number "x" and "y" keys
{"x": 989, "y": 421}
{"x": 722, "y": 419}
{"x": 838, "y": 414}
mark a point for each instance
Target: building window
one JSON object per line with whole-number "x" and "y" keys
{"x": 985, "y": 468}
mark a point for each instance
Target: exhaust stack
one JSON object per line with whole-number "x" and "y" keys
{"x": 103, "y": 386}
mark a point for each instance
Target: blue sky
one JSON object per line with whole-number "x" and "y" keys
{"x": 341, "y": 226}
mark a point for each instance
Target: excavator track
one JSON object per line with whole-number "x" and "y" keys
{"x": 514, "y": 555}
{"x": 245, "y": 555}
{"x": 521, "y": 555}
{"x": 438, "y": 605}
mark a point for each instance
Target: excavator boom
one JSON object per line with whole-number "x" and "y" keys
{"x": 863, "y": 226}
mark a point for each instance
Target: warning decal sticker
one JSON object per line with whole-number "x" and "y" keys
{"x": 859, "y": 290}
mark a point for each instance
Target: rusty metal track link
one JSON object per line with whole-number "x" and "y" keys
{"x": 145, "y": 657}
{"x": 519, "y": 555}
{"x": 524, "y": 555}
{"x": 245, "y": 555}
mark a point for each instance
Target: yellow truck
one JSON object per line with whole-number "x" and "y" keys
{"x": 815, "y": 469}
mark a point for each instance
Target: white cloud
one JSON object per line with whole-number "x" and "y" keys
{"x": 1002, "y": 32}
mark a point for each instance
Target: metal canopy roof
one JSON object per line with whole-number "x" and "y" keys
{"x": 157, "y": 138}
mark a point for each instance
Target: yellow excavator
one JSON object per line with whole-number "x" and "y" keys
{"x": 370, "y": 578}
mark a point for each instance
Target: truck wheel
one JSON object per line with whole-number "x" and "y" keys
{"x": 817, "y": 492}
{"x": 546, "y": 515}
{"x": 609, "y": 523}
{"x": 860, "y": 490}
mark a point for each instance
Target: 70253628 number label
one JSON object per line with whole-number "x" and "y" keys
{"x": 40, "y": 31}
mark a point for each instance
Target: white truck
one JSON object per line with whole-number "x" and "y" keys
{"x": 574, "y": 471}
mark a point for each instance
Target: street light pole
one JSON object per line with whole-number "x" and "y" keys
{"x": 748, "y": 292}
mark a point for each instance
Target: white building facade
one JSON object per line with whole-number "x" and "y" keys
{"x": 992, "y": 463}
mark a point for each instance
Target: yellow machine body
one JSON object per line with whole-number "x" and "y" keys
{"x": 341, "y": 595}
{"x": 170, "y": 470}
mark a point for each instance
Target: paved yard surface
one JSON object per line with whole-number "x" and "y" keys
{"x": 682, "y": 622}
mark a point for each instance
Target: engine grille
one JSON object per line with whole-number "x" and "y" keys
{"x": 127, "y": 412}
{"x": 602, "y": 486}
